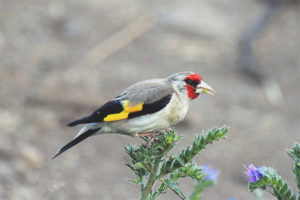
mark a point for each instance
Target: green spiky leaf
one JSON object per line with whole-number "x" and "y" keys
{"x": 173, "y": 186}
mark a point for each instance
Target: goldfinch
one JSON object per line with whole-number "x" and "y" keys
{"x": 144, "y": 108}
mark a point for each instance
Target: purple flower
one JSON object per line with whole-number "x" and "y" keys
{"x": 211, "y": 173}
{"x": 253, "y": 173}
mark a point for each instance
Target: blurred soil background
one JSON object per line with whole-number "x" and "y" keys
{"x": 62, "y": 59}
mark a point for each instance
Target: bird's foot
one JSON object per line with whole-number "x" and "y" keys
{"x": 151, "y": 136}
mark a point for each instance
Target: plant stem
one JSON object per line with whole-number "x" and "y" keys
{"x": 148, "y": 187}
{"x": 152, "y": 178}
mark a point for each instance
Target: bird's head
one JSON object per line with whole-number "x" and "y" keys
{"x": 192, "y": 83}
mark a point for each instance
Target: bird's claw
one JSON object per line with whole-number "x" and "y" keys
{"x": 151, "y": 136}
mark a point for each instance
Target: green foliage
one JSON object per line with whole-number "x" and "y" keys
{"x": 295, "y": 155}
{"x": 199, "y": 188}
{"x": 280, "y": 188}
{"x": 152, "y": 164}
{"x": 186, "y": 155}
{"x": 190, "y": 169}
{"x": 271, "y": 179}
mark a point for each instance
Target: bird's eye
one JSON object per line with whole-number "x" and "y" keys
{"x": 191, "y": 83}
{"x": 188, "y": 81}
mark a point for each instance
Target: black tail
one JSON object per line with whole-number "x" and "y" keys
{"x": 76, "y": 140}
{"x": 79, "y": 121}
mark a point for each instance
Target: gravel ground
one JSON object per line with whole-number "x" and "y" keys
{"x": 61, "y": 59}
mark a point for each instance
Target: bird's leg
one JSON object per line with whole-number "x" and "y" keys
{"x": 151, "y": 136}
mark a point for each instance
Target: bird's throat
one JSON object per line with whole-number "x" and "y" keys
{"x": 191, "y": 92}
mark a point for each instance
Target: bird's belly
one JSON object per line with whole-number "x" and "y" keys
{"x": 147, "y": 123}
{"x": 176, "y": 116}
{"x": 172, "y": 114}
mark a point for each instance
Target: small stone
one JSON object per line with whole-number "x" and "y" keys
{"x": 32, "y": 156}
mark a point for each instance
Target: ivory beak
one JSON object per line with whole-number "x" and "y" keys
{"x": 204, "y": 87}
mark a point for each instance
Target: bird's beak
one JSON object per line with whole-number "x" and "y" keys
{"x": 204, "y": 87}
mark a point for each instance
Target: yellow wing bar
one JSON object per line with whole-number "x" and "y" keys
{"x": 124, "y": 114}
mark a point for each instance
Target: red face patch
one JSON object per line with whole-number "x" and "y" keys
{"x": 191, "y": 92}
{"x": 192, "y": 81}
{"x": 195, "y": 77}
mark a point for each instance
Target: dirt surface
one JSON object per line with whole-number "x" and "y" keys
{"x": 60, "y": 60}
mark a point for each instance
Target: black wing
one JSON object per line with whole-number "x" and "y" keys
{"x": 152, "y": 107}
{"x": 110, "y": 107}
{"x": 119, "y": 110}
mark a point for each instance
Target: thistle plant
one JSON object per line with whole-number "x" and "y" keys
{"x": 153, "y": 164}
{"x": 263, "y": 177}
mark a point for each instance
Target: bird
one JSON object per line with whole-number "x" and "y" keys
{"x": 143, "y": 109}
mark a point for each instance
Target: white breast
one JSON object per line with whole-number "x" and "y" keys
{"x": 177, "y": 109}
{"x": 173, "y": 113}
